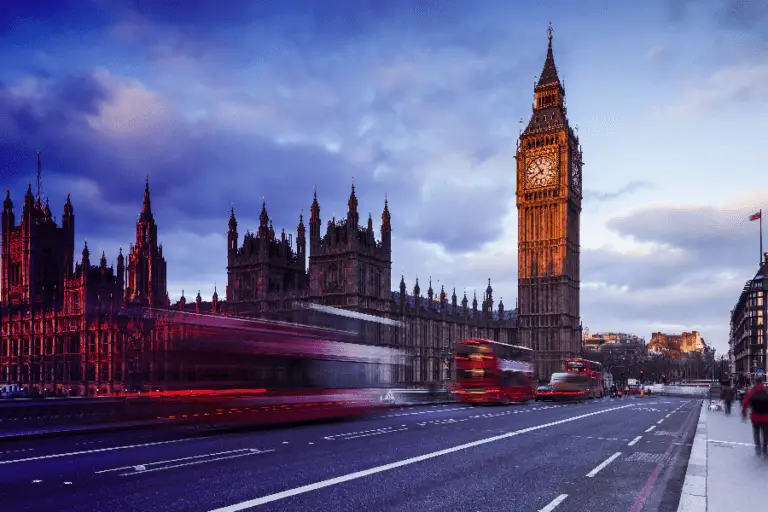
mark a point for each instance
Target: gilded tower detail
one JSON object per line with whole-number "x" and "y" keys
{"x": 549, "y": 172}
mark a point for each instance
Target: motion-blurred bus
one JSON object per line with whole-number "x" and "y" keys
{"x": 257, "y": 371}
{"x": 492, "y": 372}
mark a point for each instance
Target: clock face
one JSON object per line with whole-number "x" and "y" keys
{"x": 575, "y": 176}
{"x": 541, "y": 172}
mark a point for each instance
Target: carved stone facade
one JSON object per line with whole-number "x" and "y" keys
{"x": 69, "y": 329}
{"x": 350, "y": 269}
{"x": 549, "y": 172}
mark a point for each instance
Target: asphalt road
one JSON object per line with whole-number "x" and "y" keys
{"x": 613, "y": 455}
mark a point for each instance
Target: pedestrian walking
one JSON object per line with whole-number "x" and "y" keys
{"x": 757, "y": 400}
{"x": 727, "y": 396}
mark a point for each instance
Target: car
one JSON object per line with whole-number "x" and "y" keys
{"x": 544, "y": 393}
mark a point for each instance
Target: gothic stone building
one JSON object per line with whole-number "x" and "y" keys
{"x": 67, "y": 327}
{"x": 347, "y": 267}
{"x": 549, "y": 172}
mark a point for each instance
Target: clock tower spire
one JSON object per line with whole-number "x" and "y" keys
{"x": 549, "y": 210}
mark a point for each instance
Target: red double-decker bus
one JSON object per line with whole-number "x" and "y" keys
{"x": 492, "y": 372}
{"x": 593, "y": 370}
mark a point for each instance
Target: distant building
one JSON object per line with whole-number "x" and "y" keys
{"x": 747, "y": 329}
{"x": 592, "y": 341}
{"x": 677, "y": 345}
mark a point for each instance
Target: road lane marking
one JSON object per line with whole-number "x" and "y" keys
{"x": 133, "y": 466}
{"x": 730, "y": 442}
{"x": 554, "y": 503}
{"x": 387, "y": 467}
{"x": 251, "y": 452}
{"x": 603, "y": 464}
{"x": 659, "y": 422}
{"x": 650, "y": 428}
{"x": 96, "y": 450}
{"x": 634, "y": 441}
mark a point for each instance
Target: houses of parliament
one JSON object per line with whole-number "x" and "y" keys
{"x": 67, "y": 326}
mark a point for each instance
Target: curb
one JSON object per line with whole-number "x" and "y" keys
{"x": 694, "y": 495}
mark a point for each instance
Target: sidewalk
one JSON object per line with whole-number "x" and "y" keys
{"x": 723, "y": 471}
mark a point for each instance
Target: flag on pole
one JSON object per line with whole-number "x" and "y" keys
{"x": 756, "y": 216}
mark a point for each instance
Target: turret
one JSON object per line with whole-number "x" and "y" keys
{"x": 8, "y": 223}
{"x": 86, "y": 257}
{"x": 501, "y": 310}
{"x": 198, "y": 302}
{"x": 232, "y": 236}
{"x": 182, "y": 301}
{"x": 263, "y": 220}
{"x": 314, "y": 223}
{"x": 9, "y": 220}
{"x": 403, "y": 297}
{"x": 121, "y": 270}
{"x": 103, "y": 261}
{"x": 68, "y": 226}
{"x": 29, "y": 202}
{"x": 488, "y": 300}
{"x": 386, "y": 225}
{"x": 215, "y": 300}
{"x": 430, "y": 294}
{"x": 301, "y": 240}
{"x": 352, "y": 216}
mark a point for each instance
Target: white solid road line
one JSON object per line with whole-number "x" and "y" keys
{"x": 603, "y": 464}
{"x": 132, "y": 466}
{"x": 387, "y": 467}
{"x": 650, "y": 428}
{"x": 97, "y": 450}
{"x": 554, "y": 503}
{"x": 634, "y": 441}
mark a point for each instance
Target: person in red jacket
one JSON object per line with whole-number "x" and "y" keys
{"x": 757, "y": 400}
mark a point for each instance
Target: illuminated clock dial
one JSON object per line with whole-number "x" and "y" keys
{"x": 541, "y": 172}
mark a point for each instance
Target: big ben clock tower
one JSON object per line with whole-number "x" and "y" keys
{"x": 549, "y": 209}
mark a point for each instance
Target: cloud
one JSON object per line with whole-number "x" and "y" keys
{"x": 686, "y": 268}
{"x": 628, "y": 189}
{"x": 743, "y": 83}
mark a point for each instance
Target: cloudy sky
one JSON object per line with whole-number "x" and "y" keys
{"x": 420, "y": 100}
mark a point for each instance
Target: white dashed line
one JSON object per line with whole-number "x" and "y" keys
{"x": 650, "y": 428}
{"x": 660, "y": 421}
{"x": 554, "y": 503}
{"x": 603, "y": 464}
{"x": 634, "y": 441}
